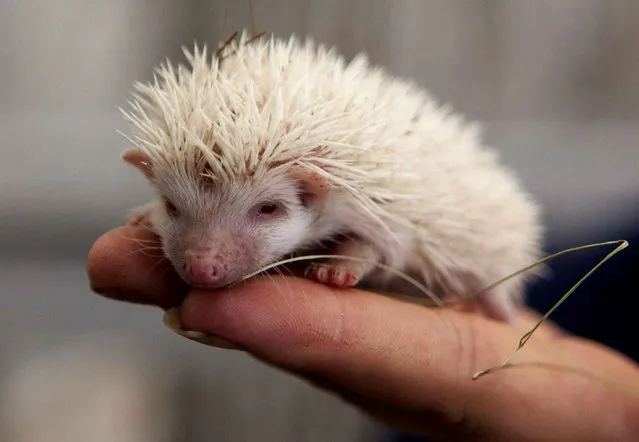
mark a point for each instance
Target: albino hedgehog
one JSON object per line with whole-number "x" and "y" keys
{"x": 271, "y": 147}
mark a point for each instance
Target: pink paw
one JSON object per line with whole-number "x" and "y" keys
{"x": 136, "y": 219}
{"x": 139, "y": 217}
{"x": 340, "y": 275}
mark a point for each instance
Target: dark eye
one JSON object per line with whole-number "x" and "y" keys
{"x": 170, "y": 208}
{"x": 268, "y": 210}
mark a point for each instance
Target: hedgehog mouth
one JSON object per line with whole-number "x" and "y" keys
{"x": 246, "y": 276}
{"x": 207, "y": 286}
{"x": 222, "y": 285}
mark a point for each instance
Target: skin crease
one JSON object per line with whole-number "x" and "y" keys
{"x": 404, "y": 364}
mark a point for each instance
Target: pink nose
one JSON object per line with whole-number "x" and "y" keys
{"x": 203, "y": 269}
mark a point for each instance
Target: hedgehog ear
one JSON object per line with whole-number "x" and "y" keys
{"x": 140, "y": 161}
{"x": 313, "y": 186}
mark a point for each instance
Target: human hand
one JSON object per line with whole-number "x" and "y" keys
{"x": 406, "y": 365}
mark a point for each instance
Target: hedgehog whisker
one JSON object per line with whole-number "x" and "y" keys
{"x": 288, "y": 299}
{"x": 163, "y": 259}
{"x": 142, "y": 241}
{"x": 139, "y": 240}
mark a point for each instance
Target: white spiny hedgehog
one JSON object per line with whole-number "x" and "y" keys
{"x": 270, "y": 147}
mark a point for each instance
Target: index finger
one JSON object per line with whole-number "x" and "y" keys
{"x": 127, "y": 264}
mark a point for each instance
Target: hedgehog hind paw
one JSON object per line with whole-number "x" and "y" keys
{"x": 335, "y": 273}
{"x": 343, "y": 272}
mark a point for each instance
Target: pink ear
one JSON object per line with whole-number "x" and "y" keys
{"x": 314, "y": 186}
{"x": 140, "y": 161}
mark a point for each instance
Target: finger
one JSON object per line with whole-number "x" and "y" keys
{"x": 369, "y": 344}
{"x": 398, "y": 356}
{"x": 126, "y": 264}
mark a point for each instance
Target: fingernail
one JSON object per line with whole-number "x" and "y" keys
{"x": 173, "y": 320}
{"x": 116, "y": 294}
{"x": 98, "y": 290}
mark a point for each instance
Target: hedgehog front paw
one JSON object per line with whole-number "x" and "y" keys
{"x": 338, "y": 274}
{"x": 136, "y": 219}
{"x": 140, "y": 216}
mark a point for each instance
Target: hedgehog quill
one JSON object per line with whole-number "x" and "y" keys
{"x": 270, "y": 147}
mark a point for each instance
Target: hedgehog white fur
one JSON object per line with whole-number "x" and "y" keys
{"x": 408, "y": 181}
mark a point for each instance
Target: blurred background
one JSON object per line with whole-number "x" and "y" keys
{"x": 555, "y": 82}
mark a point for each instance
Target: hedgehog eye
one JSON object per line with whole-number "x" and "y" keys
{"x": 268, "y": 210}
{"x": 171, "y": 209}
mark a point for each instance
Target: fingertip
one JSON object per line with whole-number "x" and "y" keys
{"x": 119, "y": 267}
{"x": 99, "y": 264}
{"x": 109, "y": 253}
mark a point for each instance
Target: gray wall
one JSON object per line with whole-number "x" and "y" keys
{"x": 557, "y": 83}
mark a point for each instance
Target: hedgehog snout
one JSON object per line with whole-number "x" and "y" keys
{"x": 203, "y": 268}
